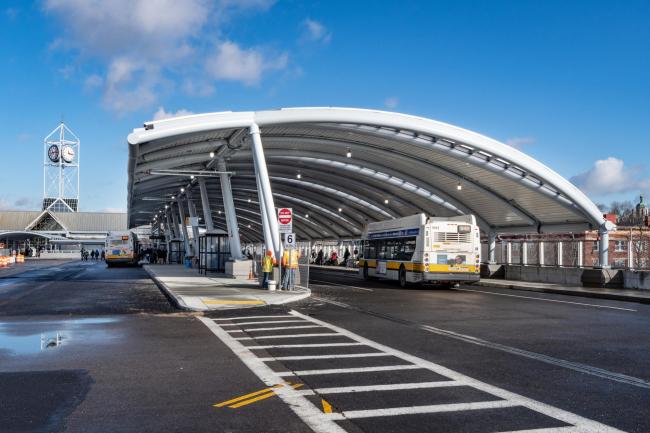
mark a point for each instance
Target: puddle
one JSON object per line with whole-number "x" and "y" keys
{"x": 31, "y": 337}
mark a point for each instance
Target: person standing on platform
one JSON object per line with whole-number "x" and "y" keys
{"x": 290, "y": 265}
{"x": 267, "y": 268}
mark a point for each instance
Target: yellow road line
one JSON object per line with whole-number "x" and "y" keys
{"x": 261, "y": 397}
{"x": 327, "y": 408}
{"x": 244, "y": 397}
{"x": 232, "y": 301}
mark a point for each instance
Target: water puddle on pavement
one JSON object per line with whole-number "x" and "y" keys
{"x": 32, "y": 337}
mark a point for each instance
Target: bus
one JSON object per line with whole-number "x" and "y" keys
{"x": 421, "y": 249}
{"x": 122, "y": 248}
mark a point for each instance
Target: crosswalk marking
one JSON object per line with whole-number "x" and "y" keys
{"x": 261, "y": 323}
{"x": 279, "y": 327}
{"x": 323, "y": 421}
{"x": 303, "y": 357}
{"x": 350, "y": 370}
{"x": 251, "y": 317}
{"x": 435, "y": 408}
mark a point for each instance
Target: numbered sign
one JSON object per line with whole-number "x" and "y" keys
{"x": 290, "y": 240}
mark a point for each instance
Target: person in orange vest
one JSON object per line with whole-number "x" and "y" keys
{"x": 290, "y": 265}
{"x": 267, "y": 268}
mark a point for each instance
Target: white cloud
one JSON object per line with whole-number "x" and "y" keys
{"x": 112, "y": 210}
{"x": 608, "y": 176}
{"x": 519, "y": 142}
{"x": 231, "y": 62}
{"x": 391, "y": 102}
{"x": 150, "y": 47}
{"x": 162, "y": 114}
{"x": 315, "y": 31}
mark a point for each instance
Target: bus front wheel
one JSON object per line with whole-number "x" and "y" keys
{"x": 402, "y": 277}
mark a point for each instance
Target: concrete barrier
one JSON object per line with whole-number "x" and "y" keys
{"x": 636, "y": 280}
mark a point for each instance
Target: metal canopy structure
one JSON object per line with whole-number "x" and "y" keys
{"x": 340, "y": 168}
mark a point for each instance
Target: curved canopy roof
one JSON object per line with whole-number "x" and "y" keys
{"x": 399, "y": 165}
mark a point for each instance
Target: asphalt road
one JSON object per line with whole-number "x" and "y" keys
{"x": 494, "y": 360}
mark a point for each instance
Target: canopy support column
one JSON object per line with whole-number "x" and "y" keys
{"x": 205, "y": 203}
{"x": 186, "y": 238}
{"x": 492, "y": 248}
{"x": 268, "y": 240}
{"x": 603, "y": 247}
{"x": 229, "y": 209}
{"x": 262, "y": 174}
{"x": 193, "y": 221}
{"x": 176, "y": 227}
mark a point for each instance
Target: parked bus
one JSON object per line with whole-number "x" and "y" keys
{"x": 122, "y": 248}
{"x": 418, "y": 249}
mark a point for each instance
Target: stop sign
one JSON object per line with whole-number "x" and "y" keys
{"x": 284, "y": 216}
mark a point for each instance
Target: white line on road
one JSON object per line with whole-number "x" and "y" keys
{"x": 260, "y": 323}
{"x": 570, "y": 418}
{"x": 295, "y": 346}
{"x": 350, "y": 370}
{"x": 345, "y": 355}
{"x": 569, "y": 429}
{"x": 544, "y": 299}
{"x": 388, "y": 387}
{"x": 582, "y": 368}
{"x": 435, "y": 408}
{"x": 328, "y": 334}
{"x": 279, "y": 327}
{"x": 344, "y": 285}
{"x": 251, "y": 317}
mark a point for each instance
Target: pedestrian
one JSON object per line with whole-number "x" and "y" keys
{"x": 83, "y": 251}
{"x": 267, "y": 268}
{"x": 92, "y": 255}
{"x": 97, "y": 254}
{"x": 319, "y": 258}
{"x": 346, "y": 256}
{"x": 154, "y": 256}
{"x": 290, "y": 265}
{"x": 103, "y": 255}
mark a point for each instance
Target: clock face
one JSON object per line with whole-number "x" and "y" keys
{"x": 53, "y": 153}
{"x": 67, "y": 153}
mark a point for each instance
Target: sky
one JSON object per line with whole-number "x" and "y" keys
{"x": 567, "y": 82}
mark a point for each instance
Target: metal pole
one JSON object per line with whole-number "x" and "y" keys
{"x": 265, "y": 186}
{"x": 186, "y": 238}
{"x": 268, "y": 241}
{"x": 195, "y": 227}
{"x": 492, "y": 248}
{"x": 581, "y": 254}
{"x": 229, "y": 209}
{"x": 603, "y": 247}
{"x": 524, "y": 253}
{"x": 630, "y": 252}
{"x": 560, "y": 253}
{"x": 540, "y": 253}
{"x": 175, "y": 227}
{"x": 205, "y": 203}
{"x": 509, "y": 253}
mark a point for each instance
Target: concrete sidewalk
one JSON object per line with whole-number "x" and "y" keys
{"x": 190, "y": 290}
{"x": 639, "y": 296}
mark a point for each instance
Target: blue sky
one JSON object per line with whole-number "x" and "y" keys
{"x": 568, "y": 82}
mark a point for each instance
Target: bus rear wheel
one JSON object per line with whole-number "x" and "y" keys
{"x": 402, "y": 277}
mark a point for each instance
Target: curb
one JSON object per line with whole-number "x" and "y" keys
{"x": 585, "y": 294}
{"x": 177, "y": 302}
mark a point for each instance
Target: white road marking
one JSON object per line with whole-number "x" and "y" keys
{"x": 585, "y": 424}
{"x": 388, "y": 387}
{"x": 279, "y": 327}
{"x": 295, "y": 346}
{"x": 350, "y": 370}
{"x": 251, "y": 317}
{"x": 346, "y": 355}
{"x": 544, "y": 299}
{"x": 435, "y": 408}
{"x": 569, "y": 429}
{"x": 328, "y": 334}
{"x": 582, "y": 368}
{"x": 310, "y": 414}
{"x": 344, "y": 285}
{"x": 260, "y": 323}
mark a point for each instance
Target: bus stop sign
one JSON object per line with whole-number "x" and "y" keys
{"x": 285, "y": 219}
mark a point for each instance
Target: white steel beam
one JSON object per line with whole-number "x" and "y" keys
{"x": 229, "y": 209}
{"x": 205, "y": 203}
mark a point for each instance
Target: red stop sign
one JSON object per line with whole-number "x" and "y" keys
{"x": 284, "y": 216}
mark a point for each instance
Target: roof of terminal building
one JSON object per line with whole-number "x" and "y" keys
{"x": 398, "y": 165}
{"x": 69, "y": 221}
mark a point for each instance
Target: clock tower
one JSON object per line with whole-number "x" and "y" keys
{"x": 61, "y": 170}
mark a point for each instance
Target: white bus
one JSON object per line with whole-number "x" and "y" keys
{"x": 418, "y": 249}
{"x": 122, "y": 248}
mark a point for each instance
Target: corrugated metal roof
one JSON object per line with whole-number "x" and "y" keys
{"x": 17, "y": 220}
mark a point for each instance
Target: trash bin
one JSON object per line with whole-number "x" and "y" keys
{"x": 272, "y": 285}
{"x": 188, "y": 262}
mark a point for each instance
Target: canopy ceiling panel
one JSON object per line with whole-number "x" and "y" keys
{"x": 398, "y": 165}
